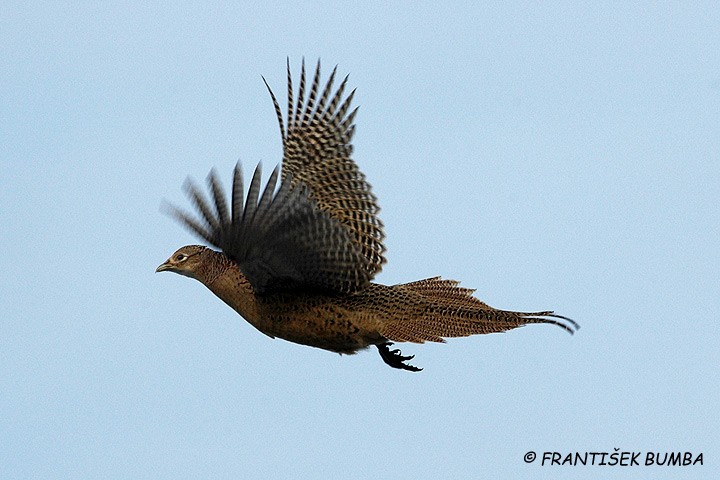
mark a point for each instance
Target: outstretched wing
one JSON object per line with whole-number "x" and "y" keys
{"x": 317, "y": 152}
{"x": 281, "y": 240}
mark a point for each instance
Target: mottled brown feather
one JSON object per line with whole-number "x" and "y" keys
{"x": 317, "y": 152}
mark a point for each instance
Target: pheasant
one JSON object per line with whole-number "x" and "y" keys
{"x": 297, "y": 257}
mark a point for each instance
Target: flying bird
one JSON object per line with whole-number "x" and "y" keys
{"x": 297, "y": 258}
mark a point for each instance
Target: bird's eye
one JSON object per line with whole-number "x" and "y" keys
{"x": 181, "y": 257}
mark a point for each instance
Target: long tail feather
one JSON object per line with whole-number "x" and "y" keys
{"x": 437, "y": 309}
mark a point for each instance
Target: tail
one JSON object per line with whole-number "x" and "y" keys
{"x": 440, "y": 309}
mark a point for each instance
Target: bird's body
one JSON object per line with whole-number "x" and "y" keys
{"x": 339, "y": 323}
{"x": 297, "y": 263}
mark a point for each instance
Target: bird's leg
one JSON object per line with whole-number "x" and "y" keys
{"x": 394, "y": 358}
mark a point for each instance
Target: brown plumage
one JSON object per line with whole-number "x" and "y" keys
{"x": 297, "y": 261}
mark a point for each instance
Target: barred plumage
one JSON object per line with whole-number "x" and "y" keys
{"x": 317, "y": 152}
{"x": 280, "y": 240}
{"x": 297, "y": 261}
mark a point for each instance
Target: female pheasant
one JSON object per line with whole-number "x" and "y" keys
{"x": 297, "y": 261}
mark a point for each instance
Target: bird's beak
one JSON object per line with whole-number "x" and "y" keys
{"x": 163, "y": 267}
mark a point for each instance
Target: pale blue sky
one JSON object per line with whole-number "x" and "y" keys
{"x": 553, "y": 157}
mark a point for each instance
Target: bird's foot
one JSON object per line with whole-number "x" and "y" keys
{"x": 394, "y": 358}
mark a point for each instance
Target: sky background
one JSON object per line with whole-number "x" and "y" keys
{"x": 559, "y": 156}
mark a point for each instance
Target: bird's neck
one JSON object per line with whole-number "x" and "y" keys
{"x": 223, "y": 277}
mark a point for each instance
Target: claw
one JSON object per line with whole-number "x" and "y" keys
{"x": 394, "y": 358}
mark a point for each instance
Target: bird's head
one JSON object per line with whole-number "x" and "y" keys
{"x": 186, "y": 261}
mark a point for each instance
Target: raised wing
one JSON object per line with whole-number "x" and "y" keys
{"x": 317, "y": 153}
{"x": 281, "y": 240}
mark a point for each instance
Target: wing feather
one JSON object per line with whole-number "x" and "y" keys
{"x": 280, "y": 240}
{"x": 317, "y": 152}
